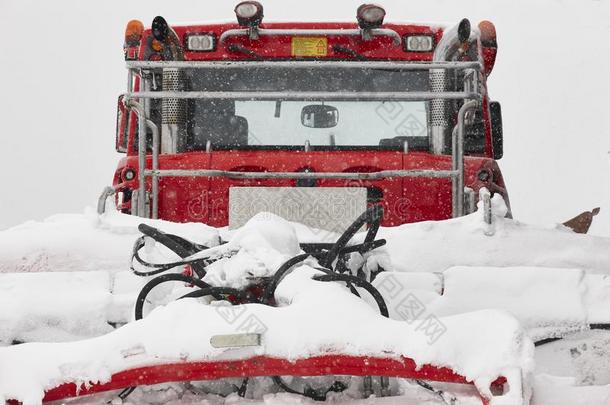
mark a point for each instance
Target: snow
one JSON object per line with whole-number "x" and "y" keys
{"x": 324, "y": 318}
{"x": 488, "y": 302}
{"x": 79, "y": 309}
{"x": 561, "y": 391}
{"x": 435, "y": 246}
{"x": 262, "y": 245}
{"x": 83, "y": 242}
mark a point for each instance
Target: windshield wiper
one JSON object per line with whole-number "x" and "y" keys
{"x": 351, "y": 52}
{"x": 246, "y": 51}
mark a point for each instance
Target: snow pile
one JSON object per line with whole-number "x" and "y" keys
{"x": 547, "y": 302}
{"x": 316, "y": 318}
{"x": 84, "y": 242}
{"x": 261, "y": 245}
{"x": 64, "y": 306}
{"x": 551, "y": 390}
{"x": 90, "y": 242}
{"x": 537, "y": 297}
{"x": 432, "y": 261}
{"x": 79, "y": 310}
{"x": 436, "y": 246}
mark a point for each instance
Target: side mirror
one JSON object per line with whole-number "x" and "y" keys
{"x": 121, "y": 126}
{"x": 497, "y": 136}
{"x": 319, "y": 116}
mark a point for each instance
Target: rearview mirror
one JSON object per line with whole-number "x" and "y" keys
{"x": 121, "y": 126}
{"x": 497, "y": 135}
{"x": 319, "y": 116}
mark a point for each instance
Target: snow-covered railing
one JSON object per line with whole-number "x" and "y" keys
{"x": 402, "y": 65}
{"x": 471, "y": 95}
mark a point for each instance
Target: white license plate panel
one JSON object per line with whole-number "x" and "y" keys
{"x": 328, "y": 208}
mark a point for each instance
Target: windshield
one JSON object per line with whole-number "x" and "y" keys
{"x": 277, "y": 123}
{"x": 359, "y": 123}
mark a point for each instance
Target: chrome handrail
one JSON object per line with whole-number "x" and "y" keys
{"x": 403, "y": 65}
{"x": 304, "y": 175}
{"x": 101, "y": 201}
{"x": 456, "y": 174}
{"x": 277, "y": 32}
{"x": 305, "y": 95}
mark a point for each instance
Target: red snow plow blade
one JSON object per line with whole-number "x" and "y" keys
{"x": 266, "y": 366}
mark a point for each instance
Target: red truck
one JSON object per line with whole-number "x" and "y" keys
{"x": 307, "y": 120}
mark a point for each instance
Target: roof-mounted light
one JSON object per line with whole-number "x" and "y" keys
{"x": 249, "y": 13}
{"x": 133, "y": 33}
{"x": 133, "y": 36}
{"x": 370, "y": 16}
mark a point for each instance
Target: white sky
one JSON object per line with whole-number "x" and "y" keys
{"x": 62, "y": 69}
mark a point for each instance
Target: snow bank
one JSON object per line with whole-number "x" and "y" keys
{"x": 436, "y": 246}
{"x": 544, "y": 300}
{"x": 78, "y": 310}
{"x": 83, "y": 242}
{"x": 64, "y": 306}
{"x": 548, "y": 302}
{"x": 317, "y": 317}
{"x": 89, "y": 242}
{"x": 549, "y": 390}
{"x": 314, "y": 318}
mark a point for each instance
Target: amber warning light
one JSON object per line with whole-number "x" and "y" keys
{"x": 133, "y": 33}
{"x": 133, "y": 36}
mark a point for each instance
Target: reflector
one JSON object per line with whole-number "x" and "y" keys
{"x": 236, "y": 340}
{"x": 156, "y": 45}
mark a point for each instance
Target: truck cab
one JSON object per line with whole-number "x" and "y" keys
{"x": 311, "y": 121}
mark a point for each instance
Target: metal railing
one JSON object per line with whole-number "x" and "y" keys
{"x": 456, "y": 174}
{"x": 369, "y": 33}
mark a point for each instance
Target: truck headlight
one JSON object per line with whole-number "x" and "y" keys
{"x": 419, "y": 43}
{"x": 129, "y": 174}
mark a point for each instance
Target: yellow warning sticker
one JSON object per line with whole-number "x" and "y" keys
{"x": 309, "y": 46}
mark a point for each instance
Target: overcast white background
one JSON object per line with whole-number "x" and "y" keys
{"x": 61, "y": 66}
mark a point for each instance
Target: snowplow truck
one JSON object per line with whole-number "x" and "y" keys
{"x": 314, "y": 122}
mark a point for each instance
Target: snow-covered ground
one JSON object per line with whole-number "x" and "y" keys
{"x": 492, "y": 295}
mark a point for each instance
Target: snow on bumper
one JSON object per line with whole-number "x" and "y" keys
{"x": 322, "y": 319}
